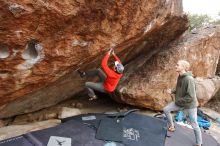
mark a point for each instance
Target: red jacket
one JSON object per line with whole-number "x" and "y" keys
{"x": 113, "y": 77}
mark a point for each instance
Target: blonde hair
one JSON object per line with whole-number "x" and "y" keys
{"x": 185, "y": 64}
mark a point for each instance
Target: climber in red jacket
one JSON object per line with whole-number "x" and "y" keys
{"x": 108, "y": 79}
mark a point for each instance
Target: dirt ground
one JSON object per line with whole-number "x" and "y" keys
{"x": 214, "y": 104}
{"x": 101, "y": 105}
{"x": 105, "y": 104}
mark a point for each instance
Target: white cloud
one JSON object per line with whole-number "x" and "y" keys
{"x": 209, "y": 7}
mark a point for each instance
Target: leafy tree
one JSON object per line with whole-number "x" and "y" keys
{"x": 197, "y": 21}
{"x": 216, "y": 22}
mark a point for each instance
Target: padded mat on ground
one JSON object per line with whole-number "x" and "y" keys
{"x": 133, "y": 130}
{"x": 67, "y": 134}
{"x": 110, "y": 129}
{"x": 16, "y": 141}
{"x": 138, "y": 130}
{"x": 80, "y": 134}
{"x": 184, "y": 136}
{"x": 88, "y": 119}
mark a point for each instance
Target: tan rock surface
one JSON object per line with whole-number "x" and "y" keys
{"x": 43, "y": 43}
{"x": 145, "y": 85}
{"x": 16, "y": 130}
{"x": 207, "y": 88}
{"x": 66, "y": 112}
{"x": 211, "y": 113}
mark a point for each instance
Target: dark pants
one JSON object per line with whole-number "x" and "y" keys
{"x": 91, "y": 86}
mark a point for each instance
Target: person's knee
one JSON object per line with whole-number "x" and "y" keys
{"x": 195, "y": 125}
{"x": 88, "y": 84}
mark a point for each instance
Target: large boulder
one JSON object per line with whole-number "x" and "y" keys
{"x": 206, "y": 88}
{"x": 43, "y": 43}
{"x": 146, "y": 80}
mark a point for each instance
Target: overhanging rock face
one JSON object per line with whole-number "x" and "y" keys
{"x": 145, "y": 82}
{"x": 42, "y": 43}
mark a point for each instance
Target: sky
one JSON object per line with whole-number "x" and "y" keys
{"x": 209, "y": 7}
